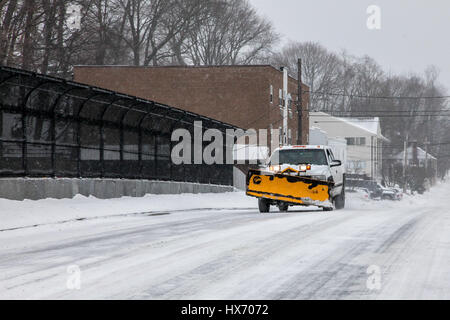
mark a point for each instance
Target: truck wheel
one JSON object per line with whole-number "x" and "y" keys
{"x": 263, "y": 205}
{"x": 340, "y": 200}
{"x": 283, "y": 207}
{"x": 332, "y": 207}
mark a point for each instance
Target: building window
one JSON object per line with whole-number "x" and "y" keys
{"x": 356, "y": 166}
{"x": 359, "y": 141}
{"x": 271, "y": 94}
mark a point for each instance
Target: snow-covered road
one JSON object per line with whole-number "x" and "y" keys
{"x": 183, "y": 249}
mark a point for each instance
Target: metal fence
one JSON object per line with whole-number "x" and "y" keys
{"x": 56, "y": 128}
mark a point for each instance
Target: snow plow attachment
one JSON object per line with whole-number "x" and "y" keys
{"x": 287, "y": 188}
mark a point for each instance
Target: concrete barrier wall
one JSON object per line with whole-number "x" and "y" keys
{"x": 239, "y": 179}
{"x": 41, "y": 188}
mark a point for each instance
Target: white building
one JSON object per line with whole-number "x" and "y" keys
{"x": 422, "y": 157}
{"x": 364, "y": 141}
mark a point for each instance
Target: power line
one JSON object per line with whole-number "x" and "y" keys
{"x": 349, "y": 115}
{"x": 438, "y": 157}
{"x": 399, "y": 146}
{"x": 382, "y": 111}
{"x": 375, "y": 97}
{"x": 356, "y": 114}
{"x": 361, "y": 117}
{"x": 384, "y": 116}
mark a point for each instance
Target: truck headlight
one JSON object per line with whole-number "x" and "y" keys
{"x": 275, "y": 168}
{"x": 320, "y": 177}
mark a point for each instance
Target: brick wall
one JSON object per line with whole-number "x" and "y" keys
{"x": 239, "y": 95}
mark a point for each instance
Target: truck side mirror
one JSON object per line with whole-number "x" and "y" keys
{"x": 336, "y": 163}
{"x": 262, "y": 163}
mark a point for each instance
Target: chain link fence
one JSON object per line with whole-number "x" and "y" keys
{"x": 56, "y": 128}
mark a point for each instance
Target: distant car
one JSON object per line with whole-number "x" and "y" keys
{"x": 376, "y": 190}
{"x": 360, "y": 183}
{"x": 363, "y": 193}
{"x": 398, "y": 194}
{"x": 388, "y": 193}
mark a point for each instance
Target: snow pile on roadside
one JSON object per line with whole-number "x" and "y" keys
{"x": 355, "y": 201}
{"x": 16, "y": 214}
{"x": 440, "y": 190}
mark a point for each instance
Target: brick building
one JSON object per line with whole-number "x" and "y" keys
{"x": 245, "y": 96}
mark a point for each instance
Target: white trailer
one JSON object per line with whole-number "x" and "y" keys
{"x": 318, "y": 136}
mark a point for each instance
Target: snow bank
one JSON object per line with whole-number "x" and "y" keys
{"x": 16, "y": 214}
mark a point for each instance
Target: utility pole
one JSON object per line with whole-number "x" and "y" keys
{"x": 405, "y": 161}
{"x": 285, "y": 110}
{"x": 299, "y": 103}
{"x": 415, "y": 155}
{"x": 427, "y": 147}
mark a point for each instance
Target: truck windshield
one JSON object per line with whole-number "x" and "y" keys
{"x": 299, "y": 156}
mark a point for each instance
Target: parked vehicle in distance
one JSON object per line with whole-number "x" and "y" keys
{"x": 360, "y": 193}
{"x": 376, "y": 190}
{"x": 398, "y": 194}
{"x": 387, "y": 193}
{"x": 360, "y": 183}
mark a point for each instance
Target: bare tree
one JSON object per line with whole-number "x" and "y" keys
{"x": 233, "y": 33}
{"x": 7, "y": 11}
{"x": 150, "y": 25}
{"x": 35, "y": 34}
{"x": 50, "y": 8}
{"x": 174, "y": 25}
{"x": 320, "y": 70}
{"x": 28, "y": 36}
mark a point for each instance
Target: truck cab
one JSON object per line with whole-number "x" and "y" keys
{"x": 320, "y": 161}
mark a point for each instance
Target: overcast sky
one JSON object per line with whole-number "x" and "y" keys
{"x": 413, "y": 34}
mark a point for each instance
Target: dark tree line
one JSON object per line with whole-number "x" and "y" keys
{"x": 38, "y": 36}
{"x": 343, "y": 84}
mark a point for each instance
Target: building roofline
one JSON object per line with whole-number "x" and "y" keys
{"x": 181, "y": 66}
{"x": 352, "y": 124}
{"x": 188, "y": 67}
{"x": 401, "y": 154}
{"x": 354, "y": 121}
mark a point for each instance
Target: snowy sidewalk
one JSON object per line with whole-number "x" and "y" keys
{"x": 27, "y": 213}
{"x": 18, "y": 214}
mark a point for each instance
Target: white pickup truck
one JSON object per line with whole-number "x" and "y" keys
{"x": 299, "y": 175}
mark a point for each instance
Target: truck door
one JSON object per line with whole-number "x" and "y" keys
{"x": 336, "y": 172}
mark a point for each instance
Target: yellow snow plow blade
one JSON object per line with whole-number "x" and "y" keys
{"x": 287, "y": 188}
